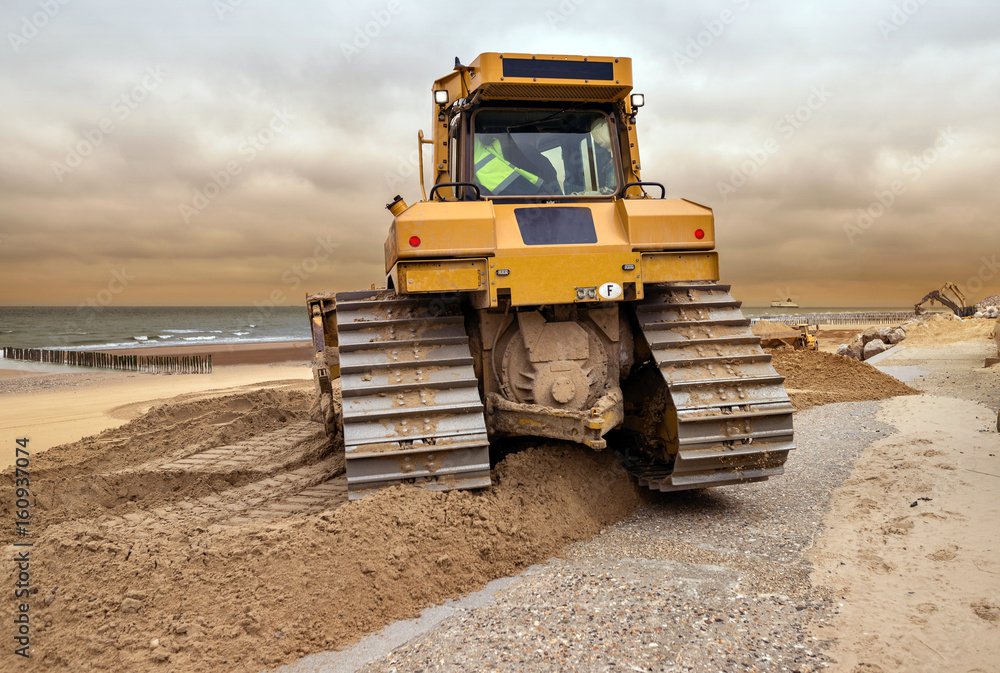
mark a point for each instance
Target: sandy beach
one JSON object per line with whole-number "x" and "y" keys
{"x": 199, "y": 523}
{"x": 57, "y": 408}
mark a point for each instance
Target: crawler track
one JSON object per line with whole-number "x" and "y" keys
{"x": 734, "y": 418}
{"x": 411, "y": 406}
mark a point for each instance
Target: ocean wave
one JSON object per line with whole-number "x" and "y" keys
{"x": 183, "y": 331}
{"x": 166, "y": 336}
{"x": 140, "y": 338}
{"x": 100, "y": 347}
{"x": 189, "y": 341}
{"x": 240, "y": 333}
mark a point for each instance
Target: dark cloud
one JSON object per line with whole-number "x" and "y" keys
{"x": 725, "y": 81}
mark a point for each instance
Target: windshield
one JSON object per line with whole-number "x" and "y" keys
{"x": 542, "y": 152}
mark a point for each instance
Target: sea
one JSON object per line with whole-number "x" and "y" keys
{"x": 100, "y": 327}
{"x": 97, "y": 327}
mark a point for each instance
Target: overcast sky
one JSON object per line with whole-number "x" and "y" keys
{"x": 241, "y": 151}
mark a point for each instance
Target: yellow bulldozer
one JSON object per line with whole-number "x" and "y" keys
{"x": 801, "y": 337}
{"x": 544, "y": 289}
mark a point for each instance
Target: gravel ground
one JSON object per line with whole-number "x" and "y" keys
{"x": 697, "y": 581}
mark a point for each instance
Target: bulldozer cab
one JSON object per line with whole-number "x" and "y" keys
{"x": 531, "y": 152}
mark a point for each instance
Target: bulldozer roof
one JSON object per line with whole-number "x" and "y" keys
{"x": 540, "y": 77}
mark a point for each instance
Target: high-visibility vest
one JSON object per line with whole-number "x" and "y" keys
{"x": 493, "y": 171}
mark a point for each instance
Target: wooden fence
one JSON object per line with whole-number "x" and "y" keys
{"x": 153, "y": 364}
{"x": 872, "y": 318}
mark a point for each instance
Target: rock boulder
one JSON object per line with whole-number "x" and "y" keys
{"x": 874, "y": 347}
{"x": 849, "y": 351}
{"x": 895, "y": 336}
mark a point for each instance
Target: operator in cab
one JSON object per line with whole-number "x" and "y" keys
{"x": 526, "y": 153}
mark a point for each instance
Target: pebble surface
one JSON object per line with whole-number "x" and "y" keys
{"x": 706, "y": 581}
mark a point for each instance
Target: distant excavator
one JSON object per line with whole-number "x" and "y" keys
{"x": 956, "y": 302}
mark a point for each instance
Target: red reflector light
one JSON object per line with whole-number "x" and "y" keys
{"x": 414, "y": 241}
{"x": 698, "y": 233}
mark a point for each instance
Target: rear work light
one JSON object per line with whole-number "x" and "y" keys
{"x": 698, "y": 233}
{"x": 415, "y": 241}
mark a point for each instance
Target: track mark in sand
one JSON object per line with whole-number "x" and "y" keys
{"x": 265, "y": 449}
{"x": 327, "y": 495}
{"x": 292, "y": 478}
{"x": 308, "y": 489}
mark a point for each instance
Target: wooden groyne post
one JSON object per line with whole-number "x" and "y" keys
{"x": 152, "y": 364}
{"x": 867, "y": 318}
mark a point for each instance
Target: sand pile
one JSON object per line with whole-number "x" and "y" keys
{"x": 101, "y": 474}
{"x": 155, "y": 587}
{"x": 165, "y": 428}
{"x": 778, "y": 329}
{"x": 942, "y": 330}
{"x": 814, "y": 377}
{"x": 775, "y": 334}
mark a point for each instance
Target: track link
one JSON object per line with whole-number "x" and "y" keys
{"x": 734, "y": 418}
{"x": 411, "y": 406}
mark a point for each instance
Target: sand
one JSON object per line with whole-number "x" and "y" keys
{"x": 778, "y": 329}
{"x": 211, "y": 532}
{"x": 912, "y": 544}
{"x": 830, "y": 337}
{"x": 936, "y": 330}
{"x": 53, "y": 409}
{"x": 143, "y": 576}
{"x": 815, "y": 377}
{"x": 940, "y": 331}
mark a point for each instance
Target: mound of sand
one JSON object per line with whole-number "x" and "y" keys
{"x": 765, "y": 328}
{"x": 814, "y": 377}
{"x": 167, "y": 427}
{"x": 98, "y": 475}
{"x": 942, "y": 331}
{"x": 149, "y": 586}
